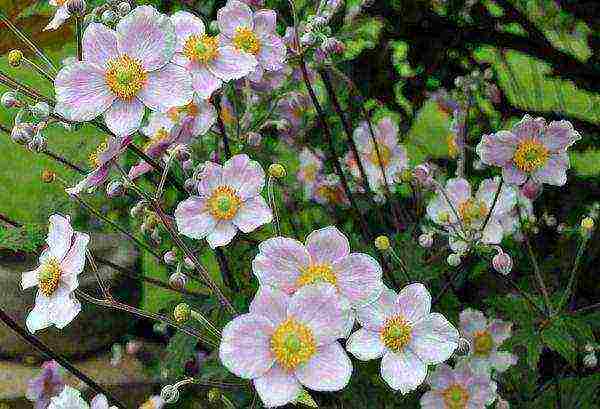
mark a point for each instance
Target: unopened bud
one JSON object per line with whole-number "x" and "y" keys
{"x": 115, "y": 189}
{"x": 453, "y": 259}
{"x": 170, "y": 258}
{"x": 382, "y": 243}
{"x": 253, "y": 139}
{"x": 188, "y": 263}
{"x": 76, "y": 7}
{"x": 187, "y": 164}
{"x": 426, "y": 240}
{"x": 590, "y": 360}
{"x": 41, "y": 110}
{"x": 109, "y": 17}
{"x": 423, "y": 174}
{"x": 178, "y": 280}
{"x": 9, "y": 100}
{"x": 502, "y": 404}
{"x": 124, "y": 8}
{"x": 502, "y": 263}
{"x": 277, "y": 170}
{"x": 333, "y": 46}
{"x": 48, "y": 176}
{"x": 587, "y": 224}
{"x": 15, "y": 57}
{"x": 22, "y": 133}
{"x": 182, "y": 313}
{"x": 133, "y": 347}
{"x": 531, "y": 190}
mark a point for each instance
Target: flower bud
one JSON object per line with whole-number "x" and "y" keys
{"x": 333, "y": 46}
{"x": 502, "y": 263}
{"x": 22, "y": 133}
{"x": 188, "y": 263}
{"x": 453, "y": 259}
{"x": 531, "y": 190}
{"x": 182, "y": 313}
{"x": 589, "y": 347}
{"x": 214, "y": 395}
{"x": 109, "y": 17}
{"x": 133, "y": 347}
{"x": 277, "y": 171}
{"x": 115, "y": 189}
{"x": 178, "y": 280}
{"x": 561, "y": 228}
{"x": 9, "y": 100}
{"x": 76, "y": 7}
{"x": 426, "y": 240}
{"x": 382, "y": 243}
{"x": 48, "y": 176}
{"x": 15, "y": 57}
{"x": 41, "y": 110}
{"x": 423, "y": 174}
{"x": 170, "y": 258}
{"x": 253, "y": 139}
{"x": 587, "y": 224}
{"x": 190, "y": 185}
{"x": 124, "y": 8}
{"x": 502, "y": 404}
{"x": 590, "y": 360}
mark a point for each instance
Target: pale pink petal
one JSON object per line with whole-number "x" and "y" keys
{"x": 245, "y": 346}
{"x": 433, "y": 339}
{"x": 74, "y": 260}
{"x": 205, "y": 82}
{"x": 253, "y": 213}
{"x": 64, "y": 310}
{"x": 472, "y": 321}
{"x": 493, "y": 232}
{"x": 59, "y": 237}
{"x": 528, "y": 128}
{"x": 432, "y": 400}
{"x": 210, "y": 179}
{"x": 365, "y": 345}
{"x": 265, "y": 22}
{"x": 30, "y": 278}
{"x": 359, "y": 278}
{"x": 124, "y": 118}
{"x": 147, "y": 35}
{"x": 272, "y": 52}
{"x": 413, "y": 302}
{"x": 235, "y": 14}
{"x": 458, "y": 190}
{"x": 60, "y": 16}
{"x": 167, "y": 87}
{"x": 205, "y": 119}
{"x": 373, "y": 316}
{"x": 319, "y": 306}
{"x": 39, "y": 317}
{"x": 270, "y": 303}
{"x": 280, "y": 262}
{"x": 140, "y": 169}
{"x": 388, "y": 131}
{"x": 329, "y": 370}
{"x": 92, "y": 179}
{"x": 362, "y": 137}
{"x": 99, "y": 45}
{"x": 277, "y": 387}
{"x": 500, "y": 331}
{"x": 501, "y": 361}
{"x": 232, "y": 64}
{"x": 442, "y": 377}
{"x": 497, "y": 149}
{"x": 327, "y": 245}
{"x": 403, "y": 371}
{"x": 554, "y": 171}
{"x": 222, "y": 234}
{"x": 560, "y": 135}
{"x": 81, "y": 92}
{"x": 192, "y": 218}
{"x": 246, "y": 176}
{"x": 512, "y": 175}
{"x": 186, "y": 24}
{"x": 99, "y": 402}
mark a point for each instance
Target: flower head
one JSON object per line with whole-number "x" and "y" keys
{"x": 311, "y": 165}
{"x": 228, "y": 199}
{"x": 47, "y": 384}
{"x": 252, "y": 33}
{"x": 287, "y": 342}
{"x": 531, "y": 150}
{"x": 459, "y": 388}
{"x": 122, "y": 72}
{"x": 401, "y": 329}
{"x": 56, "y": 277}
{"x": 292, "y": 109}
{"x": 485, "y": 336}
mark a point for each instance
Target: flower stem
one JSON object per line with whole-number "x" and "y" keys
{"x": 573, "y": 278}
{"x": 494, "y": 202}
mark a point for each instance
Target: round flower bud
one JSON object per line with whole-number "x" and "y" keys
{"x": 188, "y": 263}
{"x": 76, "y": 7}
{"x": 531, "y": 190}
{"x": 41, "y": 110}
{"x": 589, "y": 347}
{"x": 214, "y": 395}
{"x": 426, "y": 240}
{"x": 22, "y": 133}
{"x": 382, "y": 243}
{"x": 115, "y": 189}
{"x": 190, "y": 185}
{"x": 423, "y": 174}
{"x": 48, "y": 176}
{"x": 253, "y": 139}
{"x": 124, "y": 8}
{"x": 9, "y": 100}
{"x": 182, "y": 313}
{"x": 453, "y": 259}
{"x": 109, "y": 17}
{"x": 561, "y": 228}
{"x": 169, "y": 394}
{"x": 333, "y": 46}
{"x": 587, "y": 224}
{"x": 15, "y": 57}
{"x": 170, "y": 258}
{"x": 178, "y": 280}
{"x": 502, "y": 263}
{"x": 277, "y": 170}
{"x": 590, "y": 360}
{"x": 502, "y": 404}
{"x": 133, "y": 347}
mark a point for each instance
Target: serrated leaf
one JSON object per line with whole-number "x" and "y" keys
{"x": 534, "y": 351}
{"x": 305, "y": 399}
{"x": 558, "y": 339}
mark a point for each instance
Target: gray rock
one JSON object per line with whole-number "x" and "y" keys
{"x": 96, "y": 327}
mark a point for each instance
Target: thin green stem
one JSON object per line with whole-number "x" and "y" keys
{"x": 573, "y": 277}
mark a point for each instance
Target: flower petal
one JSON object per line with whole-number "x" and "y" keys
{"x": 59, "y": 237}
{"x": 413, "y": 302}
{"x": 252, "y": 214}
{"x": 245, "y": 346}
{"x": 270, "y": 303}
{"x": 232, "y": 64}
{"x": 560, "y": 135}
{"x": 63, "y": 310}
{"x": 327, "y": 245}
{"x": 192, "y": 218}
{"x": 235, "y": 14}
{"x": 528, "y": 128}
{"x": 60, "y": 16}
{"x": 124, "y": 118}
{"x": 205, "y": 82}
{"x": 246, "y": 176}
{"x": 99, "y": 45}
{"x": 458, "y": 190}
{"x": 30, "y": 278}
{"x": 147, "y": 35}
{"x": 205, "y": 119}
{"x": 265, "y": 21}
{"x": 319, "y": 306}
{"x": 512, "y": 175}
{"x": 279, "y": 263}
{"x": 272, "y": 52}
{"x": 555, "y": 170}
{"x": 500, "y": 331}
{"x": 373, "y": 316}
{"x": 39, "y": 317}
{"x": 329, "y": 370}
{"x": 169, "y": 86}
{"x": 81, "y": 92}
{"x": 359, "y": 278}
{"x": 186, "y": 24}
{"x": 209, "y": 179}
{"x": 497, "y": 149}
{"x": 74, "y": 260}
{"x": 222, "y": 234}
{"x": 434, "y": 339}
{"x": 365, "y": 345}
{"x": 277, "y": 387}
{"x": 403, "y": 371}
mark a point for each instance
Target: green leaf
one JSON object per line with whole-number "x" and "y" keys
{"x": 558, "y": 339}
{"x": 580, "y": 393}
{"x": 180, "y": 349}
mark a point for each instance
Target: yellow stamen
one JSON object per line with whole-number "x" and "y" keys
{"x": 190, "y": 110}
{"x": 472, "y": 210}
{"x": 396, "y": 333}
{"x": 49, "y": 276}
{"x": 384, "y": 152}
{"x": 455, "y": 397}
{"x": 530, "y": 155}
{"x": 224, "y": 203}
{"x": 452, "y": 146}
{"x": 125, "y": 77}
{"x": 159, "y": 136}
{"x": 317, "y": 273}
{"x": 201, "y": 48}
{"x": 293, "y": 344}
{"x": 94, "y": 157}
{"x": 245, "y": 40}
{"x": 226, "y": 115}
{"x": 482, "y": 343}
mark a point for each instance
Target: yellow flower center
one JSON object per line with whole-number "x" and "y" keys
{"x": 293, "y": 344}
{"x": 472, "y": 210}
{"x": 226, "y": 115}
{"x": 452, "y": 146}
{"x": 190, "y": 110}
{"x": 245, "y": 40}
{"x": 49, "y": 276}
{"x": 482, "y": 343}
{"x": 125, "y": 77}
{"x": 94, "y": 157}
{"x": 530, "y": 155}
{"x": 310, "y": 172}
{"x": 224, "y": 203}
{"x": 161, "y": 135}
{"x": 396, "y": 333}
{"x": 201, "y": 48}
{"x": 455, "y": 397}
{"x": 384, "y": 152}
{"x": 317, "y": 273}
